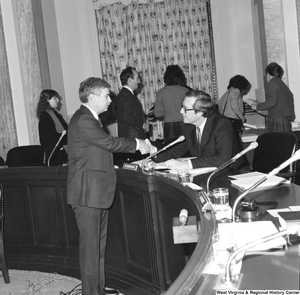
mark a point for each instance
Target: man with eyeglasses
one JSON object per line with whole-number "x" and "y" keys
{"x": 208, "y": 135}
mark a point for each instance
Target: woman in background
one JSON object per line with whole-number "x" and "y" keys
{"x": 231, "y": 103}
{"x": 169, "y": 102}
{"x": 51, "y": 126}
{"x": 279, "y": 101}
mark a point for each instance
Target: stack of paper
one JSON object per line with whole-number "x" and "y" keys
{"x": 258, "y": 126}
{"x": 246, "y": 180}
{"x": 246, "y": 232}
{"x": 288, "y": 217}
{"x": 249, "y": 137}
{"x": 295, "y": 125}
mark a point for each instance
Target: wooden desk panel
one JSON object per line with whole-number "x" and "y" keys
{"x": 41, "y": 231}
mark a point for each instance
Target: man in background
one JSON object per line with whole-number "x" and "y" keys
{"x": 130, "y": 114}
{"x": 92, "y": 180}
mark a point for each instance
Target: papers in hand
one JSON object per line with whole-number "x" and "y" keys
{"x": 246, "y": 180}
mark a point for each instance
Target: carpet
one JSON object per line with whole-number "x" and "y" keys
{"x": 24, "y": 282}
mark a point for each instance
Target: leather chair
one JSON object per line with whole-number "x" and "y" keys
{"x": 3, "y": 265}
{"x": 2, "y": 162}
{"x": 273, "y": 149}
{"x": 27, "y": 155}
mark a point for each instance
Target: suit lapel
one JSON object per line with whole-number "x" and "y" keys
{"x": 88, "y": 112}
{"x": 207, "y": 131}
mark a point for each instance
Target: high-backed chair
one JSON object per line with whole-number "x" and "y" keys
{"x": 27, "y": 155}
{"x": 273, "y": 149}
{"x": 3, "y": 265}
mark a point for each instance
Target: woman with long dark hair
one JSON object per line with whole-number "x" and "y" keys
{"x": 51, "y": 126}
{"x": 169, "y": 102}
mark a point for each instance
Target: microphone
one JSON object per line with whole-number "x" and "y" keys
{"x": 61, "y": 137}
{"x": 144, "y": 163}
{"x": 228, "y": 276}
{"x": 289, "y": 161}
{"x": 252, "y": 146}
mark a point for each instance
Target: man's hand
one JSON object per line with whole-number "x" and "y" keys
{"x": 146, "y": 147}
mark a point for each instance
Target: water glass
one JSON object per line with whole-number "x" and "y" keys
{"x": 221, "y": 199}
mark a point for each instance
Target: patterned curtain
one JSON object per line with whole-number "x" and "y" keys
{"x": 152, "y": 36}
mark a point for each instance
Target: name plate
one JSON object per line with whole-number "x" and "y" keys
{"x": 133, "y": 167}
{"x": 205, "y": 202}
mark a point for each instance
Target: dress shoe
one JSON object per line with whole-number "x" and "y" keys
{"x": 110, "y": 291}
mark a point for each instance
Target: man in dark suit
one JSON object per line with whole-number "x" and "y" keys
{"x": 130, "y": 114}
{"x": 92, "y": 180}
{"x": 212, "y": 147}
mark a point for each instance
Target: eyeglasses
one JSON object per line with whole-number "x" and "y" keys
{"x": 186, "y": 109}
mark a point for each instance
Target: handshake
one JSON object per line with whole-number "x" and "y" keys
{"x": 146, "y": 147}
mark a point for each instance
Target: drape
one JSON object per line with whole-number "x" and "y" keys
{"x": 152, "y": 36}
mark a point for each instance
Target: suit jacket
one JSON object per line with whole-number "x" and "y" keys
{"x": 216, "y": 143}
{"x": 279, "y": 101}
{"x": 91, "y": 175}
{"x": 130, "y": 115}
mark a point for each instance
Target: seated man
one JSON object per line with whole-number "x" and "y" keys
{"x": 208, "y": 135}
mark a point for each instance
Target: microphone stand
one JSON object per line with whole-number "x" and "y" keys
{"x": 228, "y": 275}
{"x": 252, "y": 146}
{"x": 61, "y": 137}
{"x": 295, "y": 157}
{"x": 179, "y": 139}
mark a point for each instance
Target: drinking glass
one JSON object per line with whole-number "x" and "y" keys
{"x": 221, "y": 199}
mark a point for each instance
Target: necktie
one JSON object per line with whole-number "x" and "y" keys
{"x": 100, "y": 123}
{"x": 198, "y": 136}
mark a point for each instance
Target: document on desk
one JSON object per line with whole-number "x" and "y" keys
{"x": 162, "y": 165}
{"x": 193, "y": 172}
{"x": 246, "y": 232}
{"x": 246, "y": 180}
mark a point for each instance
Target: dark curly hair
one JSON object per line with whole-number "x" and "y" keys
{"x": 43, "y": 103}
{"x": 274, "y": 69}
{"x": 174, "y": 76}
{"x": 239, "y": 82}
